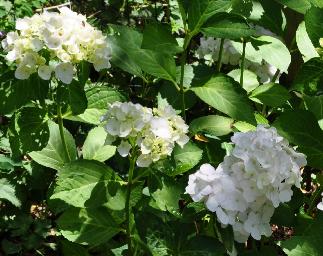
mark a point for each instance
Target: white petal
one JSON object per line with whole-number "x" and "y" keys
{"x": 45, "y": 72}
{"x": 23, "y": 72}
{"x": 64, "y": 72}
{"x": 124, "y": 148}
{"x": 144, "y": 160}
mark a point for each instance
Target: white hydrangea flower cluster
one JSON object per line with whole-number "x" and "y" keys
{"x": 250, "y": 183}
{"x": 209, "y": 50}
{"x": 153, "y": 131}
{"x": 54, "y": 42}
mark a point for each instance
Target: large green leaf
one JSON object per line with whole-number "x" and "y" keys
{"x": 155, "y": 63}
{"x": 199, "y": 11}
{"x": 304, "y": 43}
{"x": 297, "y": 5}
{"x": 32, "y": 128}
{"x": 300, "y": 127}
{"x": 83, "y": 183}
{"x": 312, "y": 70}
{"x": 122, "y": 42}
{"x": 226, "y": 95}
{"x": 250, "y": 81}
{"x": 186, "y": 158}
{"x": 158, "y": 37}
{"x": 213, "y": 124}
{"x": 307, "y": 243}
{"x": 227, "y": 25}
{"x": 271, "y": 94}
{"x": 92, "y": 226}
{"x": 313, "y": 22}
{"x": 53, "y": 155}
{"x": 8, "y": 192}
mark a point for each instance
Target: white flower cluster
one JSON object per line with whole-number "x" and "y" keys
{"x": 154, "y": 131}
{"x": 55, "y": 42}
{"x": 209, "y": 50}
{"x": 250, "y": 183}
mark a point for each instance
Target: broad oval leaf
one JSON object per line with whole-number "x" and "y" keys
{"x": 313, "y": 22}
{"x": 304, "y": 43}
{"x": 227, "y": 96}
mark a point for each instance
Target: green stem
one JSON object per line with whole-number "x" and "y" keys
{"x": 219, "y": 64}
{"x": 273, "y": 80}
{"x": 61, "y": 129}
{"x": 243, "y": 57}
{"x": 127, "y": 205}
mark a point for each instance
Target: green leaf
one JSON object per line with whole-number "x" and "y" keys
{"x": 155, "y": 63}
{"x": 243, "y": 7}
{"x": 186, "y": 158}
{"x": 250, "y": 81}
{"x": 53, "y": 155}
{"x": 313, "y": 20}
{"x": 308, "y": 243}
{"x": 94, "y": 147}
{"x": 8, "y": 192}
{"x": 82, "y": 183}
{"x": 202, "y": 246}
{"x": 199, "y": 11}
{"x": 315, "y": 105}
{"x": 271, "y": 94}
{"x": 297, "y": 5}
{"x": 13, "y": 94}
{"x": 32, "y": 128}
{"x": 98, "y": 98}
{"x": 226, "y": 95}
{"x": 73, "y": 249}
{"x": 213, "y": 124}
{"x": 122, "y": 42}
{"x": 167, "y": 194}
{"x": 300, "y": 127}
{"x": 227, "y": 25}
{"x": 91, "y": 226}
{"x": 158, "y": 37}
{"x": 7, "y": 164}
{"x": 310, "y": 71}
{"x": 274, "y": 52}
{"x": 304, "y": 43}
{"x": 77, "y": 98}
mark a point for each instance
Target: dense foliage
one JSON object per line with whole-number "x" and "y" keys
{"x": 171, "y": 127}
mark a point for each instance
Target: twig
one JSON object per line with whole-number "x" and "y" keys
{"x": 53, "y": 7}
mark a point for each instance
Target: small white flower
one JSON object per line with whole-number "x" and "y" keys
{"x": 23, "y": 72}
{"x": 45, "y": 72}
{"x": 124, "y": 148}
{"x": 144, "y": 160}
{"x": 320, "y": 204}
{"x": 64, "y": 72}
